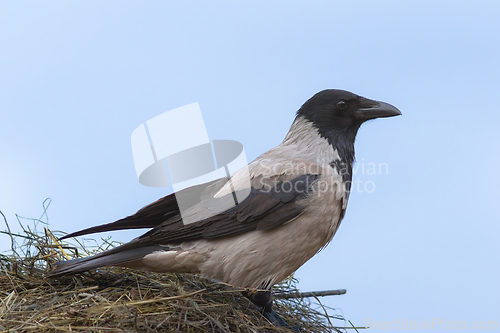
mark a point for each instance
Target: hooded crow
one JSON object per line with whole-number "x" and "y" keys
{"x": 298, "y": 197}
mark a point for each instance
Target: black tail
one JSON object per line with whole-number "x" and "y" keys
{"x": 113, "y": 257}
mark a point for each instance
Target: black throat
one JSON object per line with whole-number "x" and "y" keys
{"x": 340, "y": 136}
{"x": 343, "y": 142}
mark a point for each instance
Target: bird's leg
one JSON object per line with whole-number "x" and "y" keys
{"x": 264, "y": 302}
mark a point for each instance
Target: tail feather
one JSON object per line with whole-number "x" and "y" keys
{"x": 112, "y": 257}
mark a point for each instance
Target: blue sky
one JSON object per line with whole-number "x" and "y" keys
{"x": 76, "y": 78}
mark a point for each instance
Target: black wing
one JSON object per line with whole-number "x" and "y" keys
{"x": 155, "y": 213}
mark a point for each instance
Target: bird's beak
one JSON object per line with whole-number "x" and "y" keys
{"x": 375, "y": 109}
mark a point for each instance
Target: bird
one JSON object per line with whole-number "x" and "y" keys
{"x": 297, "y": 197}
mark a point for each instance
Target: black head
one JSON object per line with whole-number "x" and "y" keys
{"x": 338, "y": 114}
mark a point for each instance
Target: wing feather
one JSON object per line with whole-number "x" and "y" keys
{"x": 265, "y": 208}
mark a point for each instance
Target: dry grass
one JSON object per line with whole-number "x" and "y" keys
{"x": 123, "y": 300}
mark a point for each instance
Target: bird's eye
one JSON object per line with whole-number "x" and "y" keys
{"x": 342, "y": 104}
